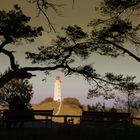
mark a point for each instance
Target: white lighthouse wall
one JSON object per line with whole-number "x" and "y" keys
{"x": 57, "y": 90}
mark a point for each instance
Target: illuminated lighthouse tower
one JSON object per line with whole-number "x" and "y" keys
{"x": 57, "y": 89}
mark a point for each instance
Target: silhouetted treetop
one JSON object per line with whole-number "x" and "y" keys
{"x": 116, "y": 7}
{"x": 58, "y": 56}
{"x": 109, "y": 36}
{"x": 75, "y": 32}
{"x": 16, "y": 88}
{"x": 14, "y": 26}
{"x": 64, "y": 51}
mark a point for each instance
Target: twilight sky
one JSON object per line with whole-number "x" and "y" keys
{"x": 74, "y": 86}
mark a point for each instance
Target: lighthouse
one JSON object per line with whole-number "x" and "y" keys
{"x": 57, "y": 89}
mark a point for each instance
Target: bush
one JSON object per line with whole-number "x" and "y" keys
{"x": 49, "y": 99}
{"x": 112, "y": 109}
{"x": 72, "y": 101}
{"x": 20, "y": 88}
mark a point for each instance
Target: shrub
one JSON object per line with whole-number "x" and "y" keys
{"x": 72, "y": 101}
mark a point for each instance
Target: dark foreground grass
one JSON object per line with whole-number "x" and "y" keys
{"x": 99, "y": 132}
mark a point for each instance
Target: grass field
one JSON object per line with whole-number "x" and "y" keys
{"x": 65, "y": 110}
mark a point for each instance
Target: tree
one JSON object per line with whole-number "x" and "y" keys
{"x": 121, "y": 89}
{"x": 131, "y": 93}
{"x": 44, "y": 5}
{"x": 98, "y": 107}
{"x": 14, "y": 28}
{"x": 111, "y": 35}
{"x": 16, "y": 88}
{"x": 108, "y": 37}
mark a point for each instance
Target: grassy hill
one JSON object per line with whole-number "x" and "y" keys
{"x": 65, "y": 109}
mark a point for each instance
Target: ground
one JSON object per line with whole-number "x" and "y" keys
{"x": 71, "y": 132}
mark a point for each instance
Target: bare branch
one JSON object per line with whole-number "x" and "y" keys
{"x": 73, "y": 1}
{"x": 40, "y": 7}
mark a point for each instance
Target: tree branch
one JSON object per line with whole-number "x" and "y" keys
{"x": 42, "y": 68}
{"x": 24, "y": 73}
{"x": 124, "y": 49}
{"x": 11, "y": 58}
{"x": 49, "y": 22}
{"x": 4, "y": 43}
{"x": 14, "y": 74}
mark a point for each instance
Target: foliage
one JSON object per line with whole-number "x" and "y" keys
{"x": 117, "y": 7}
{"x": 16, "y": 87}
{"x": 71, "y": 101}
{"x": 49, "y": 99}
{"x": 112, "y": 33}
{"x": 63, "y": 53}
{"x": 58, "y": 56}
{"x": 122, "y": 89}
{"x": 108, "y": 37}
{"x": 98, "y": 107}
{"x": 14, "y": 27}
{"x": 42, "y": 8}
{"x": 112, "y": 109}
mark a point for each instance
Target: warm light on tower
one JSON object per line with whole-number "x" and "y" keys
{"x": 57, "y": 89}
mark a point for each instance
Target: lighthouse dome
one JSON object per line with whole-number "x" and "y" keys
{"x": 57, "y": 77}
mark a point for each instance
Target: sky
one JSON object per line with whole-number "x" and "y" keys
{"x": 73, "y": 86}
